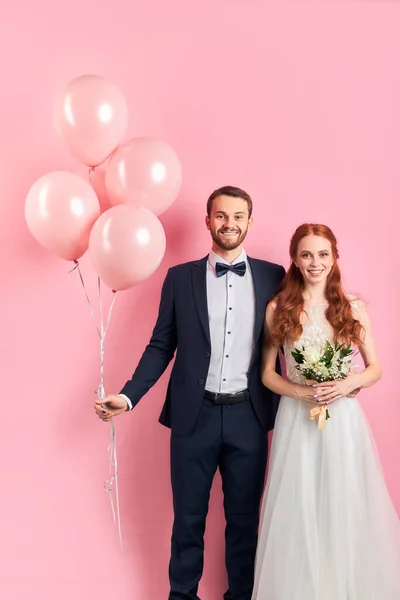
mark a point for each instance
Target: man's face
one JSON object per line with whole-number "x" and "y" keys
{"x": 229, "y": 222}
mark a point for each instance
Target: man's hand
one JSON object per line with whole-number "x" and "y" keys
{"x": 114, "y": 405}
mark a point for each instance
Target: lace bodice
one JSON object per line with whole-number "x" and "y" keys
{"x": 316, "y": 330}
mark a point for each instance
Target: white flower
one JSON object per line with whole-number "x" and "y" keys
{"x": 312, "y": 354}
{"x": 324, "y": 371}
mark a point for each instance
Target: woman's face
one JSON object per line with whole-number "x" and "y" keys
{"x": 314, "y": 259}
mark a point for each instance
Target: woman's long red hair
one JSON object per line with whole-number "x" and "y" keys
{"x": 290, "y": 301}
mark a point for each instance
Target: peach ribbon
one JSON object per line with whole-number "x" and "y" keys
{"x": 320, "y": 412}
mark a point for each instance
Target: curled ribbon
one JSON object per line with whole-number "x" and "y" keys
{"x": 321, "y": 413}
{"x": 112, "y": 481}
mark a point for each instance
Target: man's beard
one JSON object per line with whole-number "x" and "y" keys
{"x": 227, "y": 243}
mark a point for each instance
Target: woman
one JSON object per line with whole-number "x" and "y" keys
{"x": 328, "y": 528}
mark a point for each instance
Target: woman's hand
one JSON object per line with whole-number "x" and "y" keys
{"x": 307, "y": 393}
{"x": 330, "y": 391}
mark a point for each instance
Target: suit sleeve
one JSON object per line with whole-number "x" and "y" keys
{"x": 160, "y": 349}
{"x": 281, "y": 274}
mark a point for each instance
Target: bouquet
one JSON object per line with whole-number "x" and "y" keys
{"x": 323, "y": 363}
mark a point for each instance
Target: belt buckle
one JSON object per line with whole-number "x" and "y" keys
{"x": 216, "y": 394}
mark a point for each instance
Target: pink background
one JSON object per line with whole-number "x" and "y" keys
{"x": 298, "y": 103}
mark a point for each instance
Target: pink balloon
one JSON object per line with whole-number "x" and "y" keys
{"x": 60, "y": 210}
{"x": 126, "y": 245}
{"x": 91, "y": 118}
{"x": 144, "y": 172}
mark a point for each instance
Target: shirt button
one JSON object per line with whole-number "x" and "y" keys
{"x": 230, "y": 285}
{"x": 208, "y": 355}
{"x": 201, "y": 381}
{"x": 226, "y": 355}
{"x": 224, "y": 380}
{"x": 230, "y": 308}
{"x": 229, "y": 332}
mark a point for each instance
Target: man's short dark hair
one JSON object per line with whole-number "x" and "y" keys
{"x": 234, "y": 192}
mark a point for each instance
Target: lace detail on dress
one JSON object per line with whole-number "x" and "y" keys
{"x": 316, "y": 330}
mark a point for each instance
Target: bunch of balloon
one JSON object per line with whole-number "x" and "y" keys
{"x": 127, "y": 242}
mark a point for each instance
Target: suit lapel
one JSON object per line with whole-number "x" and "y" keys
{"x": 261, "y": 292}
{"x": 199, "y": 282}
{"x": 259, "y": 285}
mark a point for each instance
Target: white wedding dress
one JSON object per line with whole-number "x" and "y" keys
{"x": 328, "y": 530}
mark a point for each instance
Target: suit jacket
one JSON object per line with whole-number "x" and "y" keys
{"x": 182, "y": 326}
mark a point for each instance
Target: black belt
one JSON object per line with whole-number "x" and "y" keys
{"x": 218, "y": 398}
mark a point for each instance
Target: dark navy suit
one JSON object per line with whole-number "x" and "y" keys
{"x": 206, "y": 436}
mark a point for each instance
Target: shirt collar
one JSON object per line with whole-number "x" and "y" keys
{"x": 213, "y": 258}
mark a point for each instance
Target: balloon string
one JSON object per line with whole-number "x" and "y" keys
{"x": 112, "y": 448}
{"x": 103, "y": 332}
{"x": 86, "y": 294}
{"x": 91, "y": 174}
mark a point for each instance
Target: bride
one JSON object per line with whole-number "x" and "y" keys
{"x": 328, "y": 528}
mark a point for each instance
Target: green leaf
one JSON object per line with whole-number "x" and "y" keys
{"x": 346, "y": 351}
{"x": 298, "y": 357}
{"x": 328, "y": 355}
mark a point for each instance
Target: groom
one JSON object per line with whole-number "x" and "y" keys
{"x": 211, "y": 313}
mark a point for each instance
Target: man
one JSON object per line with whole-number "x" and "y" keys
{"x": 212, "y": 312}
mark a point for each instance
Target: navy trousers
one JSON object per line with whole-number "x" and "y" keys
{"x": 228, "y": 437}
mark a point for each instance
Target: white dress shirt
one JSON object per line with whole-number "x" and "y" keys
{"x": 231, "y": 317}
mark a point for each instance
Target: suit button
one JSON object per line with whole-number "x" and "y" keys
{"x": 208, "y": 355}
{"x": 201, "y": 381}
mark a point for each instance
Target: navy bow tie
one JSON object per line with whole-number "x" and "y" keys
{"x": 222, "y": 268}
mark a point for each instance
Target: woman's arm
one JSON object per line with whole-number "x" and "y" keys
{"x": 372, "y": 371}
{"x": 270, "y": 378}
